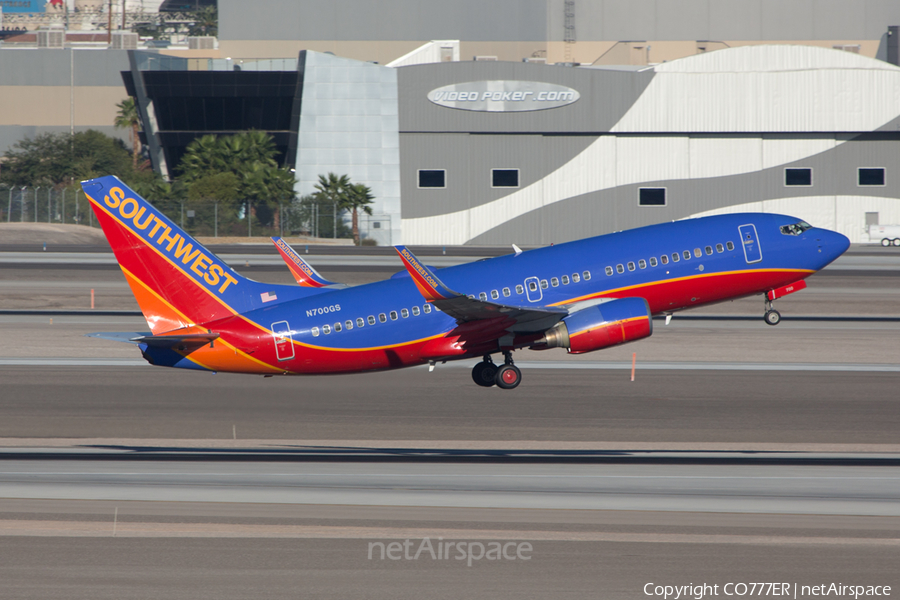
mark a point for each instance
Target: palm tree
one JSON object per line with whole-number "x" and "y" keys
{"x": 359, "y": 198}
{"x": 128, "y": 118}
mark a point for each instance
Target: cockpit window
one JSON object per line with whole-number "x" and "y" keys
{"x": 795, "y": 228}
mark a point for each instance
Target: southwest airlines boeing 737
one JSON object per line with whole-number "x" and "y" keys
{"x": 582, "y": 296}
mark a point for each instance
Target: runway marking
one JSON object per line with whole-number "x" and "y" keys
{"x": 574, "y": 365}
{"x": 232, "y": 530}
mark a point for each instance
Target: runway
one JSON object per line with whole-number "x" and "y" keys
{"x": 741, "y": 452}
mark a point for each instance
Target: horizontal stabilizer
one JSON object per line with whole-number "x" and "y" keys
{"x": 118, "y": 336}
{"x": 181, "y": 342}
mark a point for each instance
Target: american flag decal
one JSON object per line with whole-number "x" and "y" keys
{"x": 267, "y": 297}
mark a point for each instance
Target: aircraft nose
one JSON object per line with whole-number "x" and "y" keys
{"x": 831, "y": 244}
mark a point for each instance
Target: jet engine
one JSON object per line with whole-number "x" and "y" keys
{"x": 600, "y": 326}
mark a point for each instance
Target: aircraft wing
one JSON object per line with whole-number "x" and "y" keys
{"x": 465, "y": 309}
{"x": 302, "y": 271}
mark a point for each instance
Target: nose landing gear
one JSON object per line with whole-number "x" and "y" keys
{"x": 506, "y": 376}
{"x": 772, "y": 316}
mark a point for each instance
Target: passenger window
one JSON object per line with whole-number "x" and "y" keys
{"x": 652, "y": 261}
{"x": 675, "y": 257}
{"x": 337, "y": 327}
{"x": 326, "y": 329}
{"x": 371, "y": 320}
{"x": 532, "y": 286}
{"x": 586, "y": 275}
{"x": 360, "y": 322}
{"x": 630, "y": 266}
{"x": 471, "y": 296}
{"x": 664, "y": 259}
{"x": 686, "y": 254}
{"x": 404, "y": 313}
{"x": 415, "y": 311}
{"x": 720, "y": 248}
{"x": 393, "y": 315}
{"x": 620, "y": 268}
{"x": 544, "y": 285}
{"x": 642, "y": 263}
{"x": 315, "y": 331}
{"x": 609, "y": 270}
{"x": 698, "y": 252}
{"x": 382, "y": 317}
{"x": 554, "y": 281}
{"x": 506, "y": 292}
{"x": 427, "y": 308}
{"x": 482, "y": 296}
{"x": 565, "y": 278}
{"x": 729, "y": 245}
{"x": 709, "y": 250}
{"x": 520, "y": 289}
{"x": 495, "y": 294}
{"x": 575, "y": 278}
{"x": 348, "y": 324}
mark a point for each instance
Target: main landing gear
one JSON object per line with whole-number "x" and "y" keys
{"x": 772, "y": 316}
{"x": 506, "y": 376}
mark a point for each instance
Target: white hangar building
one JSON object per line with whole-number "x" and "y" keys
{"x": 801, "y": 130}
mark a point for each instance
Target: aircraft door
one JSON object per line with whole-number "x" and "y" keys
{"x": 533, "y": 289}
{"x": 284, "y": 342}
{"x": 750, "y": 242}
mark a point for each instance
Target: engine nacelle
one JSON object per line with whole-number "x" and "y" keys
{"x": 601, "y": 326}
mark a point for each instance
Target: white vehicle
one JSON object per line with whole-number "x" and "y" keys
{"x": 888, "y": 234}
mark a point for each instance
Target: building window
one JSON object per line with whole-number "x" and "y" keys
{"x": 652, "y": 196}
{"x": 871, "y": 176}
{"x": 505, "y": 178}
{"x": 432, "y": 178}
{"x": 801, "y": 177}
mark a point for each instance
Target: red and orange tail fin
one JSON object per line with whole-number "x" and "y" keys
{"x": 177, "y": 282}
{"x": 302, "y": 271}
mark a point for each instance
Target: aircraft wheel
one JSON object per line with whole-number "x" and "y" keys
{"x": 897, "y": 241}
{"x": 773, "y": 317}
{"x": 483, "y": 374}
{"x": 508, "y": 377}
{"x": 885, "y": 242}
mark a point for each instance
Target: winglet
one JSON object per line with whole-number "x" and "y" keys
{"x": 517, "y": 249}
{"x": 305, "y": 275}
{"x": 429, "y": 285}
